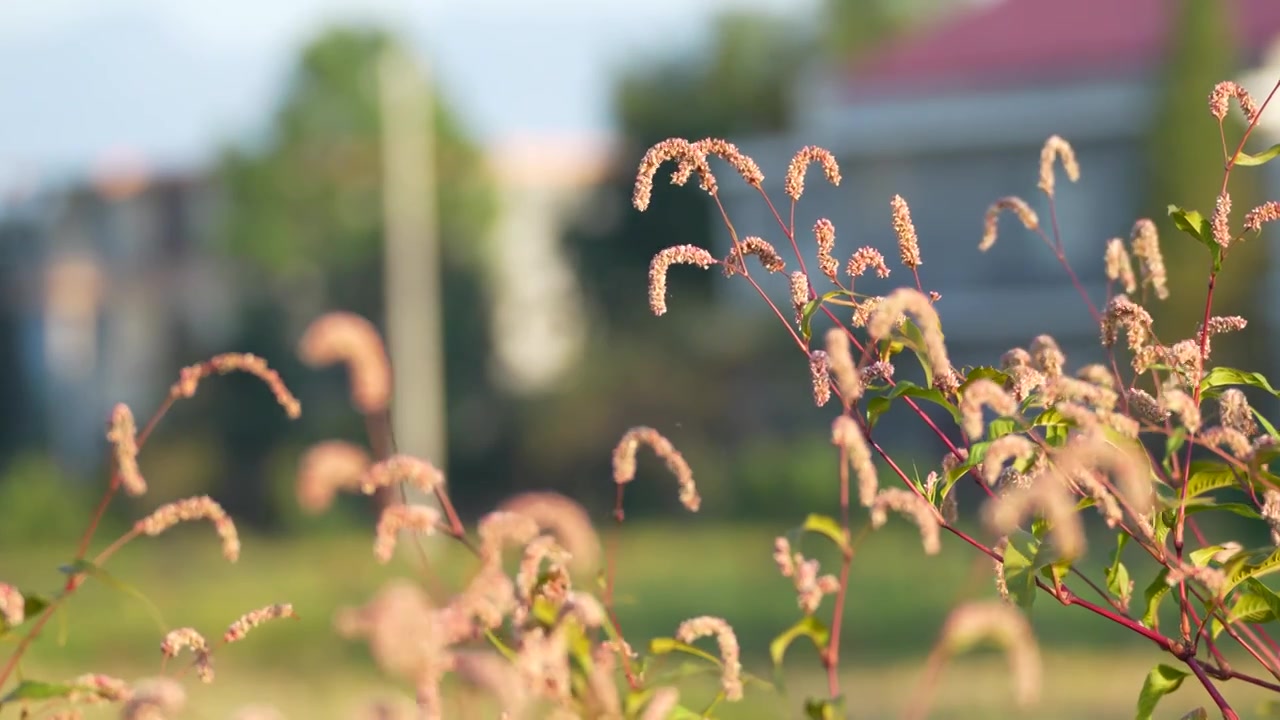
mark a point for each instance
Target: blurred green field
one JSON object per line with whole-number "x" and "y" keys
{"x": 668, "y": 572}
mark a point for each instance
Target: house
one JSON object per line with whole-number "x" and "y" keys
{"x": 954, "y": 116}
{"x": 104, "y": 276}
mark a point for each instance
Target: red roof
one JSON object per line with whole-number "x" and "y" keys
{"x": 1011, "y": 42}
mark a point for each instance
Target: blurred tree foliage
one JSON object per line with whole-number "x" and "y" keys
{"x": 1185, "y": 169}
{"x": 305, "y": 225}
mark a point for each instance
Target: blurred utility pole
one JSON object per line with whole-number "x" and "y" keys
{"x": 414, "y": 294}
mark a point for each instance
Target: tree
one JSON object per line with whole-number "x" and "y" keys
{"x": 1185, "y": 169}
{"x": 305, "y": 211}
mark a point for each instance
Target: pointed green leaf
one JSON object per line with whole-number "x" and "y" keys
{"x": 1020, "y": 568}
{"x": 1195, "y": 225}
{"x": 86, "y": 567}
{"x": 1161, "y": 681}
{"x": 1222, "y": 377}
{"x": 815, "y": 709}
{"x": 810, "y": 627}
{"x": 36, "y": 690}
{"x": 1209, "y": 475}
{"x": 666, "y": 645}
{"x": 1239, "y": 572}
{"x": 1118, "y": 583}
{"x": 811, "y": 307}
{"x": 829, "y": 528}
{"x": 1154, "y": 593}
{"x": 1247, "y": 160}
{"x": 906, "y": 388}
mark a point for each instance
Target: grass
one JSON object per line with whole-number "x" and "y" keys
{"x": 668, "y": 572}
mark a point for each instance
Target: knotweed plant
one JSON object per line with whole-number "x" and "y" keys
{"x": 1150, "y": 440}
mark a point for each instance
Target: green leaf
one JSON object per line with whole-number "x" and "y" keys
{"x": 877, "y": 406}
{"x": 1001, "y": 427}
{"x": 666, "y": 645}
{"x": 1235, "y": 508}
{"x": 1020, "y": 567}
{"x": 810, "y": 627}
{"x": 1237, "y": 572}
{"x": 1154, "y": 593}
{"x": 996, "y": 376}
{"x": 1172, "y": 445}
{"x": 1195, "y": 225}
{"x": 36, "y": 690}
{"x": 86, "y": 567}
{"x": 915, "y": 340}
{"x": 906, "y": 388}
{"x": 1222, "y": 377}
{"x": 816, "y": 709}
{"x": 1161, "y": 681}
{"x": 1255, "y": 603}
{"x": 827, "y": 526}
{"x": 1201, "y": 557}
{"x": 1247, "y": 160}
{"x": 1209, "y": 475}
{"x": 1117, "y": 574}
{"x": 811, "y": 307}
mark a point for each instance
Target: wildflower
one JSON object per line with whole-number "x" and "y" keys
{"x": 541, "y": 548}
{"x": 1221, "y": 97}
{"x": 793, "y": 184}
{"x": 543, "y": 662}
{"x": 846, "y": 434}
{"x": 1145, "y": 407}
{"x": 401, "y": 468}
{"x": 1009, "y": 628}
{"x": 1145, "y": 243}
{"x": 825, "y": 233}
{"x": 1097, "y": 374}
{"x": 908, "y": 242}
{"x": 863, "y": 311}
{"x": 694, "y": 628}
{"x": 839, "y": 361}
{"x": 1120, "y": 266}
{"x": 1217, "y": 326}
{"x": 347, "y": 338}
{"x": 864, "y": 259}
{"x": 1233, "y": 440}
{"x": 500, "y": 528}
{"x": 1264, "y": 213}
{"x": 1121, "y": 312}
{"x": 1046, "y": 356}
{"x": 670, "y": 149}
{"x": 1007, "y": 447}
{"x": 799, "y": 294}
{"x": 564, "y": 518}
{"x": 1057, "y": 148}
{"x": 1005, "y": 513}
{"x": 905, "y": 300}
{"x": 662, "y": 704}
{"x": 494, "y": 675}
{"x": 253, "y": 619}
{"x": 394, "y": 518}
{"x": 1221, "y": 222}
{"x": 1235, "y": 413}
{"x": 1212, "y": 578}
{"x": 820, "y": 377}
{"x": 325, "y": 468}
{"x": 94, "y": 688}
{"x": 190, "y": 377}
{"x": 624, "y": 462}
{"x": 727, "y": 151}
{"x": 176, "y": 640}
{"x": 1271, "y": 512}
{"x": 195, "y": 508}
{"x": 913, "y": 507}
{"x": 1173, "y": 400}
{"x": 1018, "y": 207}
{"x": 12, "y": 605}
{"x": 769, "y": 258}
{"x": 154, "y": 698}
{"x": 123, "y": 436}
{"x": 979, "y": 393}
{"x": 678, "y": 255}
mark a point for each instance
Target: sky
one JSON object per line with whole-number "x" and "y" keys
{"x": 84, "y": 80}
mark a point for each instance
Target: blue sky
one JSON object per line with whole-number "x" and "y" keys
{"x": 171, "y": 80}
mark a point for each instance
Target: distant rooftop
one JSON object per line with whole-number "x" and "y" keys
{"x": 1011, "y": 43}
